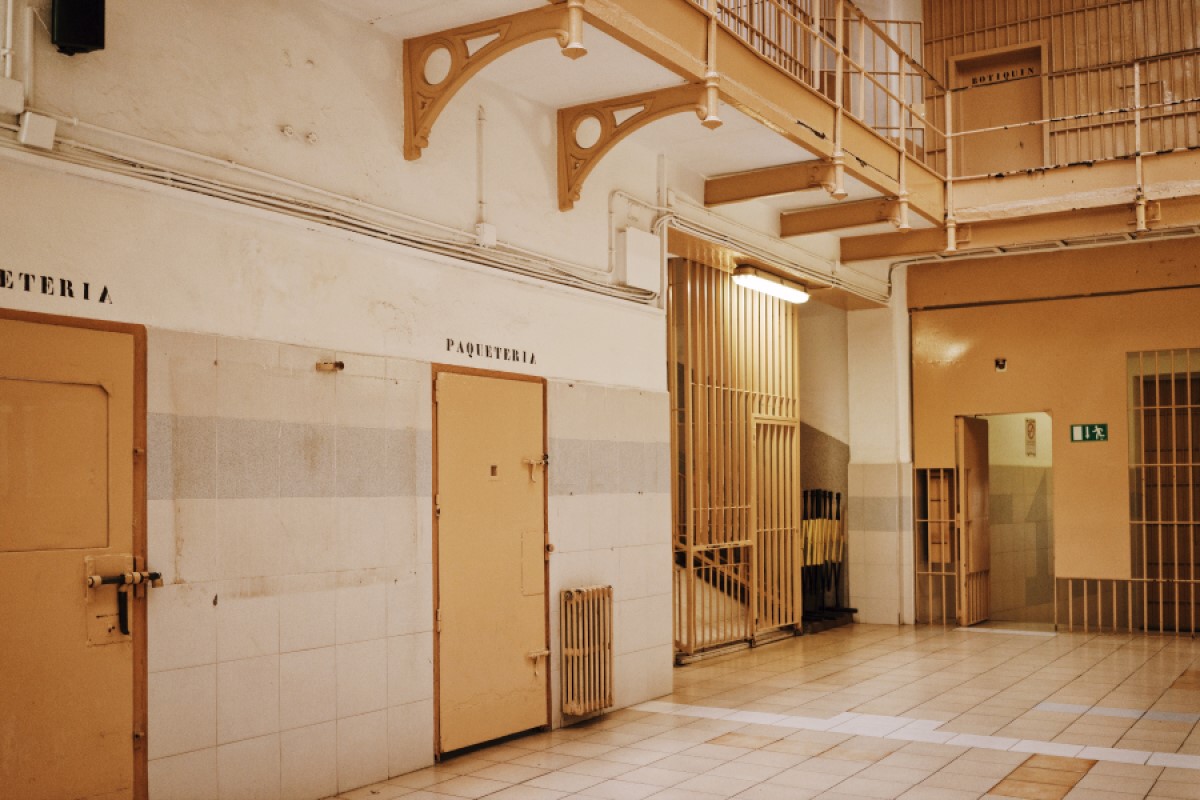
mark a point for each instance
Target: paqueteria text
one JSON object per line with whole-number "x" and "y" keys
{"x": 477, "y": 350}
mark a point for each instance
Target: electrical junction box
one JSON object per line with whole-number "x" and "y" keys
{"x": 639, "y": 259}
{"x": 12, "y": 96}
{"x": 37, "y": 131}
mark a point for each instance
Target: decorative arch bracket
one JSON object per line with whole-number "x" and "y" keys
{"x": 438, "y": 65}
{"x": 587, "y": 132}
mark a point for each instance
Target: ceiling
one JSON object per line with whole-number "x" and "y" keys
{"x": 407, "y": 18}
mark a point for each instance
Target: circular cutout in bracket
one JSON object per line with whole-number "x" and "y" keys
{"x": 437, "y": 65}
{"x": 587, "y": 131}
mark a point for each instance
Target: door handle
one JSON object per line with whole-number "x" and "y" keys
{"x": 536, "y": 657}
{"x": 534, "y": 464}
{"x": 125, "y": 583}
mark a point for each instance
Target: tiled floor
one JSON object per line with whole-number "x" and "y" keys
{"x": 874, "y": 712}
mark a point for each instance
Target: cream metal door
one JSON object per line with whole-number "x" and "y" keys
{"x": 72, "y": 658}
{"x": 490, "y": 501}
{"x": 975, "y": 547}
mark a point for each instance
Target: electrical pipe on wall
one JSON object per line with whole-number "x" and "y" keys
{"x": 7, "y": 49}
{"x": 27, "y": 54}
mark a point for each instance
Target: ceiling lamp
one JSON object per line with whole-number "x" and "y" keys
{"x": 769, "y": 283}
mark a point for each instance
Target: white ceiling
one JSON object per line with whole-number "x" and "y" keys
{"x": 407, "y": 18}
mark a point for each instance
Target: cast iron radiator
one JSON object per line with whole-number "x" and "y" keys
{"x": 587, "y": 649}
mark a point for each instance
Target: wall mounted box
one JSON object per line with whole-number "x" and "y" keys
{"x": 77, "y": 26}
{"x": 639, "y": 259}
{"x": 37, "y": 131}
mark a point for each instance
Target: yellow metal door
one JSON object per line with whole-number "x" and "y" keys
{"x": 68, "y": 434}
{"x": 491, "y": 535}
{"x": 975, "y": 549}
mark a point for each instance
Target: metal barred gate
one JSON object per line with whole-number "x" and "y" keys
{"x": 736, "y": 438}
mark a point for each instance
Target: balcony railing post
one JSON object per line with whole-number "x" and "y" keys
{"x": 839, "y": 160}
{"x": 951, "y": 220}
{"x": 862, "y": 71}
{"x": 709, "y": 116}
{"x": 902, "y": 204}
{"x": 1140, "y": 199}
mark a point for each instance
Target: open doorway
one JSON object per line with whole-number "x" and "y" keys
{"x": 1021, "y": 517}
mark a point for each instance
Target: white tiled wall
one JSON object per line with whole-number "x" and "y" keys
{"x": 610, "y": 523}
{"x": 879, "y": 525}
{"x": 291, "y": 649}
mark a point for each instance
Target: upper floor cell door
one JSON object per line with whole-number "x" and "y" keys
{"x": 994, "y": 91}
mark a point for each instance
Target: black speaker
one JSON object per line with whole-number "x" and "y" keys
{"x": 77, "y": 26}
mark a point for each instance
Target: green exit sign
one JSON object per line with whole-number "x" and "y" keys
{"x": 1093, "y": 432}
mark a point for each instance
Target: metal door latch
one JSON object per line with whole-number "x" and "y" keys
{"x": 536, "y": 656}
{"x": 532, "y": 464}
{"x": 125, "y": 582}
{"x": 126, "y": 578}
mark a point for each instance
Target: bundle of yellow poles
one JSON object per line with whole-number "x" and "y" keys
{"x": 822, "y": 534}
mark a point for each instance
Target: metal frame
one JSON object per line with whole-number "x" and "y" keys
{"x": 734, "y": 389}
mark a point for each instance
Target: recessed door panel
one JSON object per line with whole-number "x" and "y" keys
{"x": 491, "y": 494}
{"x": 53, "y": 465}
{"x": 993, "y": 92}
{"x": 67, "y": 670}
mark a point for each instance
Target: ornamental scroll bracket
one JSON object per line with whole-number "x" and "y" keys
{"x": 587, "y": 132}
{"x": 436, "y": 66}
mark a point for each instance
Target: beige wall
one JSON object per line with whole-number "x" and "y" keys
{"x": 1066, "y": 357}
{"x": 1020, "y": 521}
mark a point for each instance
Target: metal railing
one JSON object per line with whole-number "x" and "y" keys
{"x": 866, "y": 69}
{"x": 871, "y": 71}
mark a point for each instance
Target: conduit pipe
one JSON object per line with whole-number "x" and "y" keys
{"x": 509, "y": 259}
{"x": 480, "y": 198}
{"x": 7, "y": 49}
{"x": 75, "y": 122}
{"x": 461, "y": 244}
{"x": 27, "y": 53}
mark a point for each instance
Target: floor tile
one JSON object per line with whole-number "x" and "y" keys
{"x": 864, "y": 712}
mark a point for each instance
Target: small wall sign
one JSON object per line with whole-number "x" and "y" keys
{"x": 54, "y": 286}
{"x": 1091, "y": 432}
{"x": 494, "y": 352}
{"x": 1004, "y": 75}
{"x": 1030, "y": 436}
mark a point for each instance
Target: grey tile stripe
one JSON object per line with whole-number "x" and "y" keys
{"x": 1126, "y": 713}
{"x": 195, "y": 458}
{"x": 582, "y": 466}
{"x": 920, "y": 730}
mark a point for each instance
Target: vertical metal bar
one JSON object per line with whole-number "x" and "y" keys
{"x": 862, "y": 72}
{"x": 951, "y": 219}
{"x": 693, "y": 476}
{"x": 1070, "y": 604}
{"x": 1191, "y": 493}
{"x": 1174, "y": 469}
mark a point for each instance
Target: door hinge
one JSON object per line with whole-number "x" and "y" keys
{"x": 437, "y": 621}
{"x": 437, "y": 505}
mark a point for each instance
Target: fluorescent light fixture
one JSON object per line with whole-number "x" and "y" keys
{"x": 769, "y": 283}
